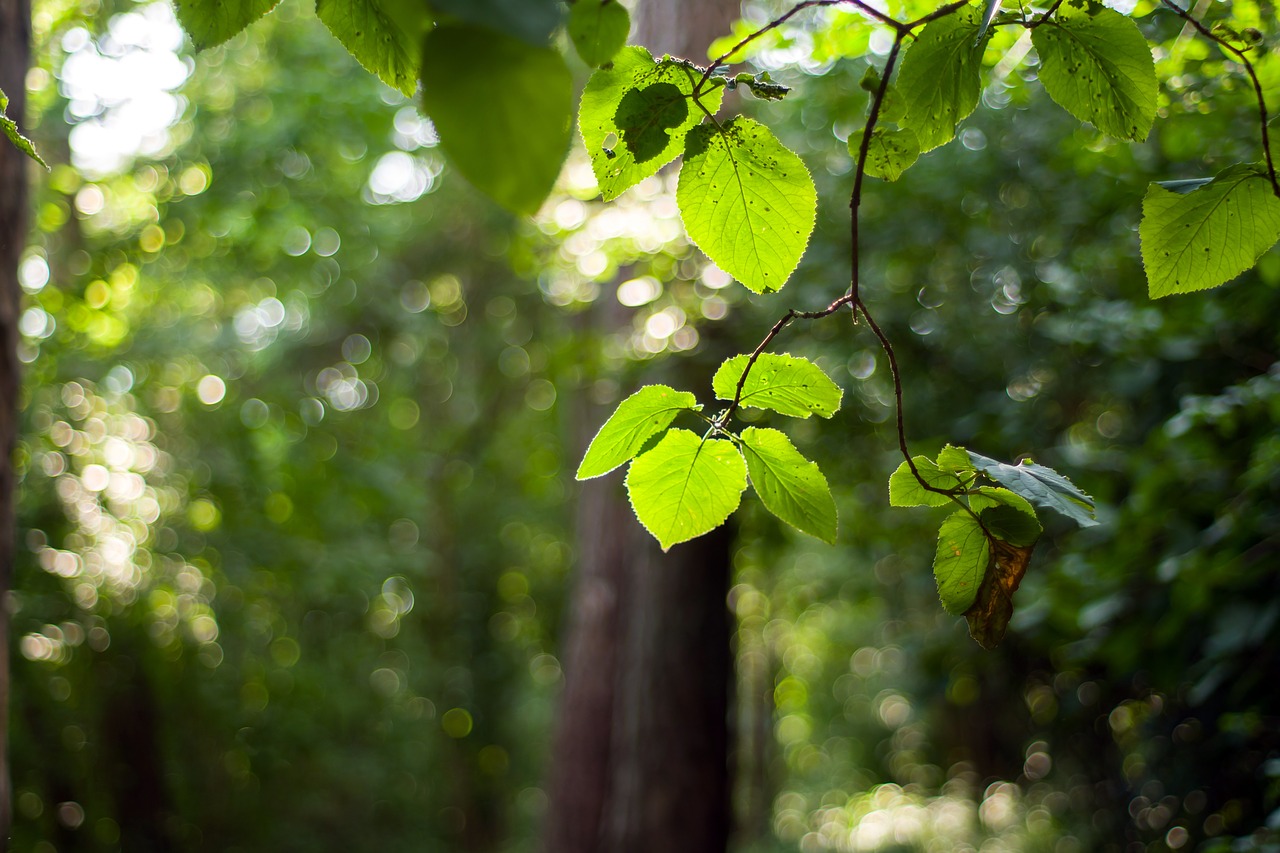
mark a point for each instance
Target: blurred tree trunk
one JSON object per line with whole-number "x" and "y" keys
{"x": 15, "y": 22}
{"x": 641, "y": 754}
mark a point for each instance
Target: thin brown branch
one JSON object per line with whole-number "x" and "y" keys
{"x": 855, "y": 201}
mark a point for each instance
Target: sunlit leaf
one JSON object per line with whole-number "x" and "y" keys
{"x": 504, "y": 122}
{"x": 1203, "y": 238}
{"x": 211, "y": 22}
{"x": 790, "y": 486}
{"x": 598, "y": 29}
{"x": 385, "y": 36}
{"x": 1096, "y": 64}
{"x": 890, "y": 152}
{"x": 941, "y": 76}
{"x": 785, "y": 384}
{"x": 960, "y": 561}
{"x": 1040, "y": 485}
{"x": 992, "y": 608}
{"x": 636, "y": 420}
{"x": 747, "y": 202}
{"x": 10, "y": 128}
{"x": 686, "y": 486}
{"x": 905, "y": 489}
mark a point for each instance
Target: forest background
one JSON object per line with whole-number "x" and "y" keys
{"x": 301, "y": 411}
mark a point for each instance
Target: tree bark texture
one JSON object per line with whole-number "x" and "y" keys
{"x": 641, "y": 753}
{"x": 15, "y": 47}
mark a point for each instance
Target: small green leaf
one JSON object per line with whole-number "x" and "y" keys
{"x": 636, "y": 420}
{"x": 598, "y": 29}
{"x": 1042, "y": 486}
{"x": 1203, "y": 238}
{"x": 790, "y": 486}
{"x": 905, "y": 489}
{"x": 961, "y": 561}
{"x": 1010, "y": 525}
{"x": 10, "y": 128}
{"x": 762, "y": 86}
{"x": 747, "y": 202}
{"x": 531, "y": 21}
{"x": 1096, "y": 64}
{"x": 635, "y": 115}
{"x": 783, "y": 383}
{"x": 890, "y": 152}
{"x": 956, "y": 460}
{"x": 941, "y": 77}
{"x": 686, "y": 486}
{"x": 211, "y": 22}
{"x": 502, "y": 108}
{"x": 385, "y": 36}
{"x": 985, "y": 497}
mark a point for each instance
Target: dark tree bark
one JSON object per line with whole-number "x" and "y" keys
{"x": 641, "y": 753}
{"x": 15, "y": 22}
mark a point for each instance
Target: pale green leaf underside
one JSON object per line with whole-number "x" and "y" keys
{"x": 384, "y": 36}
{"x": 10, "y": 129}
{"x": 211, "y": 22}
{"x": 636, "y": 420}
{"x": 905, "y": 489}
{"x": 960, "y": 561}
{"x": 686, "y": 486}
{"x": 941, "y": 77}
{"x": 1204, "y": 238}
{"x": 782, "y": 383}
{"x": 890, "y": 152}
{"x": 503, "y": 110}
{"x": 790, "y": 486}
{"x": 634, "y": 117}
{"x": 598, "y": 29}
{"x": 1007, "y": 515}
{"x": 747, "y": 202}
{"x": 1098, "y": 67}
{"x": 1042, "y": 486}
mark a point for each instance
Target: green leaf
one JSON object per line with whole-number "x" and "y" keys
{"x": 890, "y": 152}
{"x": 10, "y": 128}
{"x": 636, "y": 420}
{"x": 1007, "y": 515}
{"x": 531, "y": 21}
{"x": 790, "y": 486}
{"x": 1096, "y": 64}
{"x": 635, "y": 115}
{"x": 598, "y": 29}
{"x": 686, "y": 486}
{"x": 211, "y": 22}
{"x": 786, "y": 384}
{"x": 956, "y": 460}
{"x": 1042, "y": 486}
{"x": 746, "y": 201}
{"x": 905, "y": 489}
{"x": 502, "y": 108}
{"x": 961, "y": 561}
{"x": 1204, "y": 238}
{"x": 384, "y": 36}
{"x": 941, "y": 78}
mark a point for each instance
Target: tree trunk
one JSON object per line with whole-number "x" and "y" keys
{"x": 15, "y": 22}
{"x": 641, "y": 753}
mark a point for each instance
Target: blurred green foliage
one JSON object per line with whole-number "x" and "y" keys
{"x": 301, "y": 423}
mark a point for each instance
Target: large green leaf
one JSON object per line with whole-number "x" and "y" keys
{"x": 598, "y": 29}
{"x": 1040, "y": 485}
{"x": 961, "y": 561}
{"x": 211, "y": 22}
{"x": 783, "y": 383}
{"x": 636, "y": 420}
{"x": 502, "y": 108}
{"x": 1206, "y": 237}
{"x": 635, "y": 115}
{"x": 790, "y": 486}
{"x": 905, "y": 489}
{"x": 890, "y": 152}
{"x": 10, "y": 128}
{"x": 1096, "y": 64}
{"x": 941, "y": 77}
{"x": 747, "y": 201}
{"x": 1007, "y": 515}
{"x": 532, "y": 21}
{"x": 385, "y": 36}
{"x": 686, "y": 486}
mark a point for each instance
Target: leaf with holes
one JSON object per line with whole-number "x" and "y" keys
{"x": 1040, "y": 485}
{"x": 746, "y": 201}
{"x": 1203, "y": 238}
{"x": 385, "y": 36}
{"x": 636, "y": 420}
{"x": 635, "y": 115}
{"x": 505, "y": 121}
{"x": 941, "y": 77}
{"x": 10, "y": 128}
{"x": 686, "y": 486}
{"x": 598, "y": 29}
{"x": 1096, "y": 64}
{"x": 211, "y": 22}
{"x": 889, "y": 153}
{"x": 790, "y": 486}
{"x": 783, "y": 383}
{"x": 960, "y": 561}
